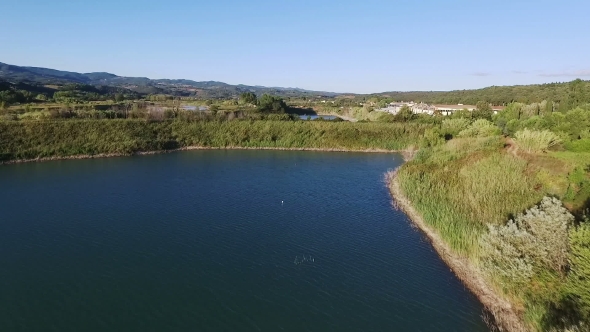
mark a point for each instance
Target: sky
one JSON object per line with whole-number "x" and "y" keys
{"x": 339, "y": 46}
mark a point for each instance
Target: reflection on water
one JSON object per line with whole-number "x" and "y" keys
{"x": 218, "y": 241}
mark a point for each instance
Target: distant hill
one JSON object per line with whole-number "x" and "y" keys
{"x": 499, "y": 95}
{"x": 143, "y": 85}
{"x": 104, "y": 85}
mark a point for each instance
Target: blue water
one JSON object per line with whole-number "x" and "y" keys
{"x": 314, "y": 117}
{"x": 208, "y": 241}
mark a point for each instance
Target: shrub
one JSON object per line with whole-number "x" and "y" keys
{"x": 432, "y": 138}
{"x": 502, "y": 252}
{"x": 536, "y": 239}
{"x": 453, "y": 127}
{"x": 582, "y": 145}
{"x": 480, "y": 128}
{"x": 535, "y": 140}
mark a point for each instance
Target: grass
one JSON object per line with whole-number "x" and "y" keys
{"x": 467, "y": 183}
{"x": 463, "y": 185}
{"x": 536, "y": 140}
{"x": 39, "y": 139}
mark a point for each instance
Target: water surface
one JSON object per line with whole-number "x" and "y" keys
{"x": 209, "y": 240}
{"x": 314, "y": 117}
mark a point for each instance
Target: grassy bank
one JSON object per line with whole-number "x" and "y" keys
{"x": 466, "y": 191}
{"x": 49, "y": 139}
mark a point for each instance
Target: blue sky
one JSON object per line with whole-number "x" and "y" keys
{"x": 342, "y": 46}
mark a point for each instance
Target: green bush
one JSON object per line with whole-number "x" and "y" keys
{"x": 480, "y": 128}
{"x": 453, "y": 127}
{"x": 582, "y": 145}
{"x": 432, "y": 138}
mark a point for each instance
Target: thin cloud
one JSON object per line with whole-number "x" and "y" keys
{"x": 567, "y": 73}
{"x": 519, "y": 72}
{"x": 481, "y": 74}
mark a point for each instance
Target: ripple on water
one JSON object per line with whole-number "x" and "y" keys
{"x": 200, "y": 240}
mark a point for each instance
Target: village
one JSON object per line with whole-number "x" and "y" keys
{"x": 422, "y": 108}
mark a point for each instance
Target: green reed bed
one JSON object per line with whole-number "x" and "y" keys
{"x": 44, "y": 139}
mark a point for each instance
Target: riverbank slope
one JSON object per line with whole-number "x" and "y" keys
{"x": 46, "y": 140}
{"x": 504, "y": 313}
{"x": 485, "y": 205}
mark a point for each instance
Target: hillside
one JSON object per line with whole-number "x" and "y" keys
{"x": 497, "y": 95}
{"x": 101, "y": 83}
{"x": 143, "y": 85}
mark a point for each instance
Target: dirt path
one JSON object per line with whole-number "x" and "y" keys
{"x": 512, "y": 147}
{"x": 506, "y": 316}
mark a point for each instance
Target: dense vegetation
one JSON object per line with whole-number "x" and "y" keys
{"x": 38, "y": 139}
{"x": 503, "y": 95}
{"x": 496, "y": 192}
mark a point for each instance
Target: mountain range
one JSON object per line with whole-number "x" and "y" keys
{"x": 101, "y": 85}
{"x": 143, "y": 85}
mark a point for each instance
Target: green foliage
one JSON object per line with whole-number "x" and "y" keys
{"x": 248, "y": 98}
{"x": 432, "y": 137}
{"x": 38, "y": 139}
{"x": 503, "y": 95}
{"x": 582, "y": 145}
{"x": 462, "y": 114}
{"x": 405, "y": 114}
{"x": 271, "y": 104}
{"x": 483, "y": 111}
{"x": 536, "y": 141}
{"x": 577, "y": 287}
{"x": 456, "y": 197}
{"x": 577, "y": 93}
{"x": 480, "y": 128}
{"x": 494, "y": 186}
{"x": 452, "y": 127}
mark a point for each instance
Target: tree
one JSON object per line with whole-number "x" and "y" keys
{"x": 271, "y": 104}
{"x": 483, "y": 110}
{"x": 404, "y": 114}
{"x": 248, "y": 98}
{"x": 119, "y": 97}
{"x": 577, "y": 96}
{"x": 548, "y": 107}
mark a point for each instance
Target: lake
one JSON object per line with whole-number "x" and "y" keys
{"x": 314, "y": 117}
{"x": 219, "y": 241}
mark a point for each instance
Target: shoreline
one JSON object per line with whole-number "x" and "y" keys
{"x": 189, "y": 148}
{"x": 503, "y": 312}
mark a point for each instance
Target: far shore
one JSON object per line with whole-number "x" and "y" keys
{"x": 505, "y": 315}
{"x": 188, "y": 148}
